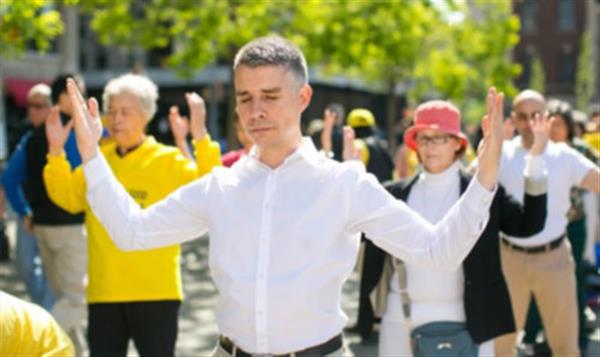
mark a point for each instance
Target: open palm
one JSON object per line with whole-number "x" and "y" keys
{"x": 57, "y": 133}
{"x": 86, "y": 121}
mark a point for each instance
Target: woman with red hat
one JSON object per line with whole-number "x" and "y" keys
{"x": 470, "y": 303}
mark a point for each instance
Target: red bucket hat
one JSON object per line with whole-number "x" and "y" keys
{"x": 435, "y": 114}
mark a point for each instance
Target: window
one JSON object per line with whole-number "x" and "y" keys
{"x": 530, "y": 13}
{"x": 566, "y": 15}
{"x": 567, "y": 63}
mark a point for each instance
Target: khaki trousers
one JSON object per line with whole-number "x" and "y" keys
{"x": 64, "y": 257}
{"x": 550, "y": 277}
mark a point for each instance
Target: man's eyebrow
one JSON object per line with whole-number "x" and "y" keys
{"x": 271, "y": 90}
{"x": 266, "y": 90}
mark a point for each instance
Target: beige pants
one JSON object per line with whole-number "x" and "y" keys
{"x": 64, "y": 256}
{"x": 220, "y": 352}
{"x": 550, "y": 277}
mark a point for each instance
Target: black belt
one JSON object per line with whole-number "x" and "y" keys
{"x": 323, "y": 349}
{"x": 537, "y": 249}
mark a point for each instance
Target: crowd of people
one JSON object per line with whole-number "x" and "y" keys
{"x": 457, "y": 258}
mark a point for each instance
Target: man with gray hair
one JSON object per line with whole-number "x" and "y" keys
{"x": 27, "y": 260}
{"x": 542, "y": 265}
{"x": 285, "y": 221}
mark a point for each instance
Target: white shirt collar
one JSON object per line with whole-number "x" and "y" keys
{"x": 306, "y": 151}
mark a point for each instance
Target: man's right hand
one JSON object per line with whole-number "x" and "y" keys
{"x": 328, "y": 123}
{"x": 540, "y": 126}
{"x": 86, "y": 121}
{"x": 56, "y": 133}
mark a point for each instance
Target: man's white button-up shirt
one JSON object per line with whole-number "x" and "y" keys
{"x": 284, "y": 240}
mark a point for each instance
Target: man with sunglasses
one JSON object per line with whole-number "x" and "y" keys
{"x": 27, "y": 261}
{"x": 542, "y": 265}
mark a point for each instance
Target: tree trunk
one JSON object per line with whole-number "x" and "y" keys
{"x": 391, "y": 116}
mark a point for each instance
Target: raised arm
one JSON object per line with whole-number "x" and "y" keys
{"x": 491, "y": 148}
{"x": 65, "y": 187}
{"x": 176, "y": 219}
{"x": 394, "y": 227}
{"x": 591, "y": 181}
{"x": 529, "y": 218}
{"x": 180, "y": 130}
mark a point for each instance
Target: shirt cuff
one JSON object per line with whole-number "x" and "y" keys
{"x": 53, "y": 159}
{"x": 202, "y": 143}
{"x": 96, "y": 170}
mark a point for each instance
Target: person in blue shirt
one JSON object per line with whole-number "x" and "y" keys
{"x": 27, "y": 261}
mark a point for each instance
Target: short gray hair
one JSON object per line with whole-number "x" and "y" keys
{"x": 140, "y": 86}
{"x": 529, "y": 94}
{"x": 273, "y": 51}
{"x": 40, "y": 90}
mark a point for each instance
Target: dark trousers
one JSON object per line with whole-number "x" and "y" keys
{"x": 369, "y": 278}
{"x": 152, "y": 325}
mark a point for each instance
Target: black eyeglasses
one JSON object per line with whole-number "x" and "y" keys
{"x": 522, "y": 116}
{"x": 435, "y": 140}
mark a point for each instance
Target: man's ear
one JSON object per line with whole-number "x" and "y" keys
{"x": 305, "y": 96}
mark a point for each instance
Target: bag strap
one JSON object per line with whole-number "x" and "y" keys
{"x": 400, "y": 269}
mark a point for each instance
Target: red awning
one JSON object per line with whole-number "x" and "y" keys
{"x": 18, "y": 88}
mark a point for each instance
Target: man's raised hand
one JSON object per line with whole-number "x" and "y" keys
{"x": 491, "y": 148}
{"x": 351, "y": 152}
{"x": 540, "y": 126}
{"x": 197, "y": 115}
{"x": 86, "y": 121}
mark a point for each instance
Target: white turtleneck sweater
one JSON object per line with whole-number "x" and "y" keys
{"x": 435, "y": 295}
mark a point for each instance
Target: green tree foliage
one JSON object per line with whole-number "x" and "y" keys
{"x": 464, "y": 57}
{"x": 200, "y": 31}
{"x": 25, "y": 21}
{"x": 537, "y": 79}
{"x": 380, "y": 42}
{"x": 389, "y": 44}
{"x": 585, "y": 77}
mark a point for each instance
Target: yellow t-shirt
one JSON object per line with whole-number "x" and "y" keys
{"x": 29, "y": 330}
{"x": 593, "y": 140}
{"x": 149, "y": 174}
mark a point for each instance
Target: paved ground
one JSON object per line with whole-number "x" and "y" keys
{"x": 197, "y": 326}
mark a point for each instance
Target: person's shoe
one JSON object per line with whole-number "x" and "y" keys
{"x": 352, "y": 329}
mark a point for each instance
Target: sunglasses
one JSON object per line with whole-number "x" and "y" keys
{"x": 522, "y": 116}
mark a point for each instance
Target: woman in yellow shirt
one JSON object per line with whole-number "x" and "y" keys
{"x": 131, "y": 295}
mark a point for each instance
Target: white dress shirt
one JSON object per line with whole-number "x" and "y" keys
{"x": 566, "y": 168}
{"x": 284, "y": 240}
